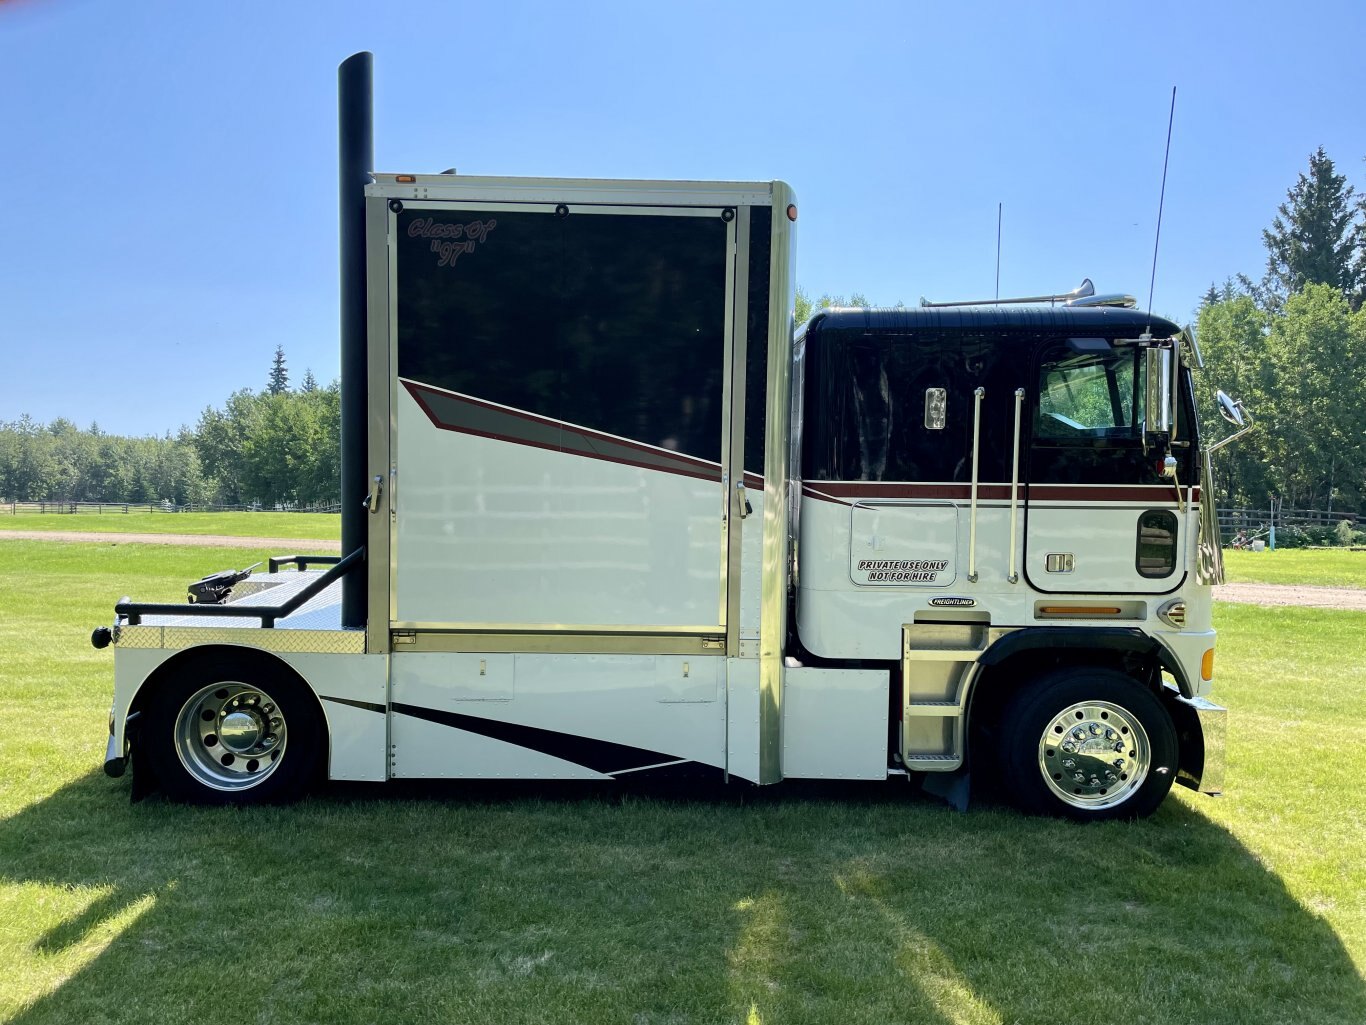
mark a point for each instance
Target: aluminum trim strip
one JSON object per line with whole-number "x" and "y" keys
{"x": 773, "y": 586}
{"x": 379, "y": 564}
{"x": 178, "y": 638}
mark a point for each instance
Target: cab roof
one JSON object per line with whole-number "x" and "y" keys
{"x": 1103, "y": 321}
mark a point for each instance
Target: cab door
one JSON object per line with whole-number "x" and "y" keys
{"x": 1099, "y": 517}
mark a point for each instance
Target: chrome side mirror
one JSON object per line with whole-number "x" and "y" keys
{"x": 1235, "y": 413}
{"x": 1229, "y": 409}
{"x": 1158, "y": 377}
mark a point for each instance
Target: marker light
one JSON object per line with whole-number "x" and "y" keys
{"x": 405, "y": 179}
{"x": 1207, "y": 666}
{"x": 791, "y": 211}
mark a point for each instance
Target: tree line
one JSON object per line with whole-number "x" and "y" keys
{"x": 1292, "y": 346}
{"x": 278, "y": 446}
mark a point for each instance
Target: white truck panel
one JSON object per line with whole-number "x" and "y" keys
{"x": 835, "y": 723}
{"x": 493, "y": 532}
{"x": 551, "y": 705}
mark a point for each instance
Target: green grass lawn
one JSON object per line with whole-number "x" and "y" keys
{"x": 241, "y": 524}
{"x": 1326, "y": 567}
{"x": 821, "y": 904}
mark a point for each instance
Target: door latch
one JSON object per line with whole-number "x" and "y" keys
{"x": 376, "y": 491}
{"x": 745, "y": 507}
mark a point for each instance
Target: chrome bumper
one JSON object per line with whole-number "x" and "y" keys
{"x": 1202, "y": 754}
{"x": 114, "y": 761}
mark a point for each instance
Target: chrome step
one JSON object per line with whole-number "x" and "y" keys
{"x": 933, "y": 763}
{"x": 937, "y": 660}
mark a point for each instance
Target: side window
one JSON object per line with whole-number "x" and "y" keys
{"x": 1089, "y": 395}
{"x": 1088, "y": 418}
{"x": 614, "y": 322}
{"x": 1155, "y": 554}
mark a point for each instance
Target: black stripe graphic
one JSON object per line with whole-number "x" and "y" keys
{"x": 599, "y": 755}
{"x": 369, "y": 706}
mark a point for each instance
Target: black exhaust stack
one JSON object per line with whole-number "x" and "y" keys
{"x": 355, "y": 158}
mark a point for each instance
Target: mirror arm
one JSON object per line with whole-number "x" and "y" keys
{"x": 1236, "y": 434}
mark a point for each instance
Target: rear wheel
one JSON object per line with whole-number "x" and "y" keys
{"x": 234, "y": 731}
{"x": 1088, "y": 744}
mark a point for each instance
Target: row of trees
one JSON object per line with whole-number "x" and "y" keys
{"x": 274, "y": 447}
{"x": 1292, "y": 345}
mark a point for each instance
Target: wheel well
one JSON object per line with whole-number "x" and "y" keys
{"x": 210, "y": 655}
{"x": 996, "y": 684}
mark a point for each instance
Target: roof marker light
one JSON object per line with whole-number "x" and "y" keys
{"x": 405, "y": 179}
{"x": 791, "y": 211}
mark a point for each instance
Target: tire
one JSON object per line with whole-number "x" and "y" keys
{"x": 234, "y": 730}
{"x": 1088, "y": 744}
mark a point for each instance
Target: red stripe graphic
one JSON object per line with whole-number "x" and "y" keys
{"x": 464, "y": 414}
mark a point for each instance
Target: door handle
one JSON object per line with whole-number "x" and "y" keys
{"x": 372, "y": 500}
{"x": 743, "y": 499}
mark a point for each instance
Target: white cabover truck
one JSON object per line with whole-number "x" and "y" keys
{"x": 621, "y": 519}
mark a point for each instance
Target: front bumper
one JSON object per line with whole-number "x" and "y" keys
{"x": 115, "y": 762}
{"x": 1203, "y": 727}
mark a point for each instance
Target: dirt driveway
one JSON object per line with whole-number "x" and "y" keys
{"x": 1293, "y": 594}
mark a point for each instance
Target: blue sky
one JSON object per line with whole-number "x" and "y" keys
{"x": 169, "y": 182}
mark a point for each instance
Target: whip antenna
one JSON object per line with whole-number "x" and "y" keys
{"x": 1162, "y": 198}
{"x": 998, "y": 250}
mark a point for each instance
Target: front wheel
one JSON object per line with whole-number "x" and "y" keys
{"x": 1089, "y": 744}
{"x": 233, "y": 731}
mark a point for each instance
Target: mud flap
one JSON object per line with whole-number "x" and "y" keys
{"x": 954, "y": 788}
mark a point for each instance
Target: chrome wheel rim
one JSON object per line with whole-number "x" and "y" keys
{"x": 230, "y": 736}
{"x": 1094, "y": 755}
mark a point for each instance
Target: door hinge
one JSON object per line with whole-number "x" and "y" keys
{"x": 403, "y": 637}
{"x": 713, "y": 643}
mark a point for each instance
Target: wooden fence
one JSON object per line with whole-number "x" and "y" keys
{"x": 102, "y": 508}
{"x": 1233, "y": 520}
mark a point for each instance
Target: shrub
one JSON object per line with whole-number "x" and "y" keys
{"x": 1305, "y": 537}
{"x": 1344, "y": 532}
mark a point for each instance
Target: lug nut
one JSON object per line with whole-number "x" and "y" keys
{"x": 1095, "y": 730}
{"x": 1069, "y": 763}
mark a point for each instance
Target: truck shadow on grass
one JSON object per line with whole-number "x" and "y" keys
{"x": 491, "y": 903}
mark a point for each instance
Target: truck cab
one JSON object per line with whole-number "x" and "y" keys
{"x": 991, "y": 499}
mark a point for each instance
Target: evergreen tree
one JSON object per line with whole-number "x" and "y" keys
{"x": 1315, "y": 236}
{"x": 279, "y": 374}
{"x": 310, "y": 383}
